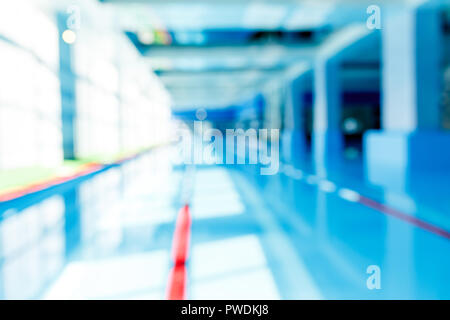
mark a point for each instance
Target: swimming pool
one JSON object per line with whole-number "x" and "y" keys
{"x": 294, "y": 235}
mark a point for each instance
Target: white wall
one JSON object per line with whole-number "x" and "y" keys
{"x": 30, "y": 121}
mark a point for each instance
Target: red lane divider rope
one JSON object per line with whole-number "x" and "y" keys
{"x": 181, "y": 238}
{"x": 176, "y": 289}
{"x": 405, "y": 217}
{"x": 177, "y": 283}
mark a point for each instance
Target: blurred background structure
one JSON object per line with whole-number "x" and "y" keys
{"x": 93, "y": 92}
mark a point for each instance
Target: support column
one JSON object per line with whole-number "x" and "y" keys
{"x": 294, "y": 136}
{"x": 327, "y": 136}
{"x": 67, "y": 86}
{"x": 347, "y": 43}
{"x": 272, "y": 111}
{"x": 412, "y": 70}
{"x": 411, "y": 139}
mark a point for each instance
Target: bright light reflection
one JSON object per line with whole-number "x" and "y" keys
{"x": 234, "y": 268}
{"x": 113, "y": 278}
{"x": 246, "y": 285}
{"x": 327, "y": 186}
{"x": 69, "y": 36}
{"x": 349, "y": 195}
{"x": 215, "y": 195}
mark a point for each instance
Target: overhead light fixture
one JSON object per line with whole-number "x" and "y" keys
{"x": 146, "y": 37}
{"x": 69, "y": 36}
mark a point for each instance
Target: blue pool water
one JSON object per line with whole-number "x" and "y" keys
{"x": 294, "y": 235}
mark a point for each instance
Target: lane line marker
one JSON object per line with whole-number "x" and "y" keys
{"x": 354, "y": 196}
{"x": 404, "y": 217}
{"x": 312, "y": 179}
{"x": 327, "y": 186}
{"x": 349, "y": 195}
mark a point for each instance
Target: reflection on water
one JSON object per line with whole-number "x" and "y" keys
{"x": 214, "y": 195}
{"x": 234, "y": 267}
{"x": 338, "y": 238}
{"x": 268, "y": 237}
{"x": 131, "y": 276}
{"x": 107, "y": 237}
{"x": 32, "y": 248}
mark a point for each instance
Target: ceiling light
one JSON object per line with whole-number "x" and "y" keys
{"x": 69, "y": 36}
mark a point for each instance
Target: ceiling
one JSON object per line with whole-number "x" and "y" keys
{"x": 215, "y": 53}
